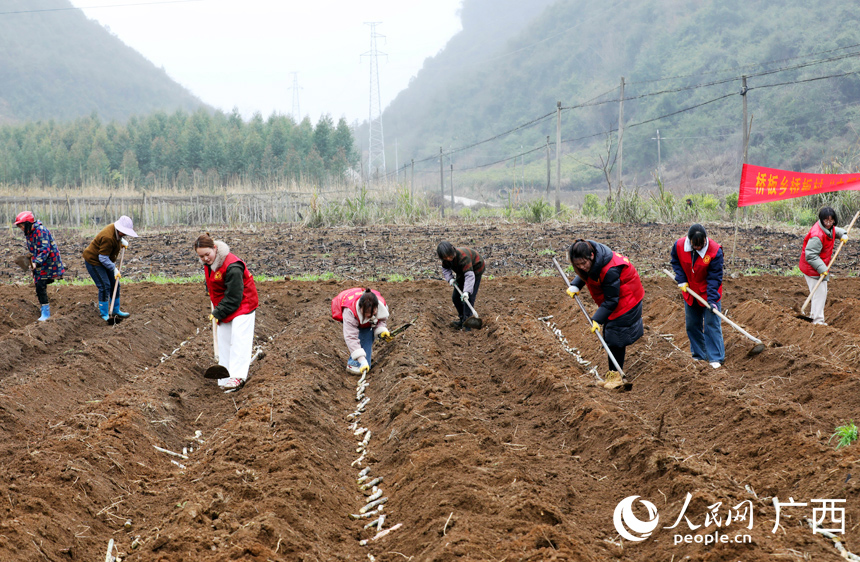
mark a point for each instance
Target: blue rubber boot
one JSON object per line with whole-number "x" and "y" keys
{"x": 117, "y": 311}
{"x": 103, "y": 309}
{"x": 46, "y": 312}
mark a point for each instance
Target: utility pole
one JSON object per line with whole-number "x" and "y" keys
{"x": 548, "y": 173}
{"x": 620, "y": 134}
{"x": 523, "y": 166}
{"x": 746, "y": 141}
{"x": 442, "y": 180}
{"x": 744, "y": 90}
{"x": 412, "y": 181}
{"x": 296, "y": 112}
{"x": 659, "y": 165}
{"x": 452, "y": 189}
{"x": 558, "y": 158}
{"x": 376, "y": 149}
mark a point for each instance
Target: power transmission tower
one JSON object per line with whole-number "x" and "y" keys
{"x": 376, "y": 149}
{"x": 296, "y": 112}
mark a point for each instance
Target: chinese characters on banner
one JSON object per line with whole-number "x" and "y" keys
{"x": 763, "y": 185}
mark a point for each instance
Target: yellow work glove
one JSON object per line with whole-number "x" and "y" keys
{"x": 825, "y": 274}
{"x": 683, "y": 287}
{"x": 117, "y": 275}
{"x": 124, "y": 242}
{"x": 213, "y": 319}
{"x": 595, "y": 327}
{"x": 572, "y": 291}
{"x": 363, "y": 366}
{"x": 385, "y": 335}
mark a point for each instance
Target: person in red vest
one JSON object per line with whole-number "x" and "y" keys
{"x": 815, "y": 257}
{"x": 698, "y": 264}
{"x": 615, "y": 286}
{"x": 364, "y": 314}
{"x": 234, "y": 296}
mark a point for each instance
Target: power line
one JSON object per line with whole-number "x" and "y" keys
{"x": 738, "y": 68}
{"x": 99, "y": 7}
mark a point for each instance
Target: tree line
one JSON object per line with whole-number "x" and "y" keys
{"x": 179, "y": 151}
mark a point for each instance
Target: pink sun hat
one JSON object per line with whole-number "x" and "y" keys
{"x": 125, "y": 226}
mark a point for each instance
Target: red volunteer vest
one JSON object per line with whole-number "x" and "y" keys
{"x": 826, "y": 248}
{"x": 215, "y": 284}
{"x": 349, "y": 299}
{"x": 697, "y": 275}
{"x": 631, "y": 286}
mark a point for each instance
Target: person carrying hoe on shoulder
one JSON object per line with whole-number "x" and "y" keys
{"x": 815, "y": 257}
{"x": 615, "y": 286}
{"x": 100, "y": 259}
{"x": 698, "y": 264}
{"x": 233, "y": 294}
{"x": 364, "y": 315}
{"x": 45, "y": 262}
{"x": 463, "y": 267}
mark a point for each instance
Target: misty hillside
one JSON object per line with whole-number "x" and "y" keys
{"x": 682, "y": 61}
{"x": 60, "y": 65}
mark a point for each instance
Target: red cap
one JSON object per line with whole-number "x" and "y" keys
{"x": 24, "y": 216}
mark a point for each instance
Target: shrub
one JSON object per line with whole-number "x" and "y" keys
{"x": 537, "y": 211}
{"x": 629, "y": 207}
{"x": 592, "y": 207}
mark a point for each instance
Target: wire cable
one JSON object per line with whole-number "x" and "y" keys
{"x": 157, "y": 2}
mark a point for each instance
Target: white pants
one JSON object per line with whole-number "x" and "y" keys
{"x": 818, "y": 299}
{"x": 235, "y": 343}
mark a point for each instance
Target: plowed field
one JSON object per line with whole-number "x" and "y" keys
{"x": 492, "y": 445}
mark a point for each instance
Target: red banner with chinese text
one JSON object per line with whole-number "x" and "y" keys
{"x": 763, "y": 185}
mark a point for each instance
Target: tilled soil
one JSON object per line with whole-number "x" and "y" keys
{"x": 492, "y": 445}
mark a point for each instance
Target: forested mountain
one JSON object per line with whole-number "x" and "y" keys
{"x": 57, "y": 64}
{"x": 682, "y": 61}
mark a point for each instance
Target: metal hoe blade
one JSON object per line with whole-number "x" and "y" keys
{"x": 216, "y": 372}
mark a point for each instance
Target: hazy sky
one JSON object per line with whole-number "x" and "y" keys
{"x": 242, "y": 53}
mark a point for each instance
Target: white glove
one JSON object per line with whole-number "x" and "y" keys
{"x": 451, "y": 282}
{"x": 845, "y": 238}
{"x": 363, "y": 366}
{"x": 465, "y": 296}
{"x": 572, "y": 291}
{"x": 124, "y": 242}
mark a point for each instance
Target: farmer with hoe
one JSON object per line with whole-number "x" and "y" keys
{"x": 698, "y": 264}
{"x": 364, "y": 314}
{"x": 100, "y": 259}
{"x": 815, "y": 257}
{"x": 233, "y": 294}
{"x": 44, "y": 262}
{"x": 462, "y": 268}
{"x": 615, "y": 286}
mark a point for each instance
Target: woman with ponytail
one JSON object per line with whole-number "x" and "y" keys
{"x": 364, "y": 314}
{"x": 234, "y": 297}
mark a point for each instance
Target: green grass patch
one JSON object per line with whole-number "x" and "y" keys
{"x": 845, "y": 435}
{"x": 327, "y": 276}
